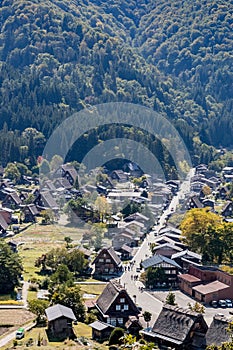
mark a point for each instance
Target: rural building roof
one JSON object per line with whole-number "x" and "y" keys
{"x": 48, "y": 200}
{"x": 136, "y": 216}
{"x": 189, "y": 278}
{"x": 168, "y": 245}
{"x": 217, "y": 332}
{"x": 158, "y": 259}
{"x": 210, "y": 287}
{"x": 174, "y": 323}
{"x": 3, "y": 223}
{"x": 112, "y": 253}
{"x": 32, "y": 208}
{"x": 109, "y": 295}
{"x": 100, "y": 326}
{"x": 186, "y": 253}
{"x": 15, "y": 197}
{"x": 135, "y": 222}
{"x": 126, "y": 248}
{"x": 62, "y": 182}
{"x": 170, "y": 229}
{"x": 56, "y": 311}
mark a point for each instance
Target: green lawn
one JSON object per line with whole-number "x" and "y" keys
{"x": 81, "y": 330}
{"x": 96, "y": 289}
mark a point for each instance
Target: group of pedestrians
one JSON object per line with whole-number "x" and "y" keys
{"x": 129, "y": 267}
{"x": 134, "y": 277}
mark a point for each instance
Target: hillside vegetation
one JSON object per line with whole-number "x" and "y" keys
{"x": 58, "y": 57}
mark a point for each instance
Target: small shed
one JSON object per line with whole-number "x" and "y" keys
{"x": 60, "y": 319}
{"x": 101, "y": 330}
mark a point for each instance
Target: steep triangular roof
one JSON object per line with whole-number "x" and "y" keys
{"x": 175, "y": 323}
{"x": 112, "y": 290}
{"x": 217, "y": 332}
{"x": 111, "y": 252}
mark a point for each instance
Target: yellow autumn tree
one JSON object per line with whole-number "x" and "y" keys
{"x": 196, "y": 227}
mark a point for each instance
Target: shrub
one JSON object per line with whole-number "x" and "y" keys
{"x": 115, "y": 336}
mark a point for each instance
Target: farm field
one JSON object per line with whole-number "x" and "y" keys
{"x": 39, "y": 239}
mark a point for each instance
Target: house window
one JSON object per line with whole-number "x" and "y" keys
{"x": 120, "y": 320}
{"x": 101, "y": 260}
{"x": 118, "y": 307}
{"x": 113, "y": 321}
{"x": 126, "y": 307}
{"x": 108, "y": 260}
{"x": 122, "y": 300}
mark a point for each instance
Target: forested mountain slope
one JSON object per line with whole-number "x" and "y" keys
{"x": 57, "y": 57}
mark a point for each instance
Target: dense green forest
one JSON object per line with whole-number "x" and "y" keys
{"x": 58, "y": 57}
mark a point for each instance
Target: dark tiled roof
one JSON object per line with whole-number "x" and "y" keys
{"x": 217, "y": 332}
{"x": 158, "y": 259}
{"x": 175, "y": 323}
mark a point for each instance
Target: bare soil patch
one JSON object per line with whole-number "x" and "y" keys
{"x": 15, "y": 317}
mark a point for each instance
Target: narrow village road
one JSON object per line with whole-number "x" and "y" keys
{"x": 6, "y": 339}
{"x": 130, "y": 279}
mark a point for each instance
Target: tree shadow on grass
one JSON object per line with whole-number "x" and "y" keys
{"x": 60, "y": 337}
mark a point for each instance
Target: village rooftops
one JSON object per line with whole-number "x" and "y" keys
{"x": 210, "y": 287}
{"x": 217, "y": 332}
{"x": 109, "y": 296}
{"x": 187, "y": 253}
{"x": 174, "y": 324}
{"x": 112, "y": 254}
{"x": 189, "y": 278}
{"x": 56, "y": 311}
{"x": 158, "y": 259}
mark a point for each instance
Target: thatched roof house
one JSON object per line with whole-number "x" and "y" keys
{"x": 178, "y": 328}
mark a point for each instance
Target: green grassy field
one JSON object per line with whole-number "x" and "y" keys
{"x": 39, "y": 239}
{"x": 81, "y": 331}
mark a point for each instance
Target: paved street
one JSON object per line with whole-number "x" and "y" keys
{"x": 153, "y": 301}
{"x": 5, "y": 340}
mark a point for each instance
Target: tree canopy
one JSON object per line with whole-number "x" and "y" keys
{"x": 10, "y": 268}
{"x": 58, "y": 57}
{"x": 204, "y": 232}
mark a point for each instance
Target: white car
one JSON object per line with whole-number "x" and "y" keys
{"x": 228, "y": 303}
{"x": 222, "y": 303}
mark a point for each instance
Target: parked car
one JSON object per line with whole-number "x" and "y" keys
{"x": 20, "y": 333}
{"x": 222, "y": 303}
{"x": 228, "y": 303}
{"x": 214, "y": 303}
